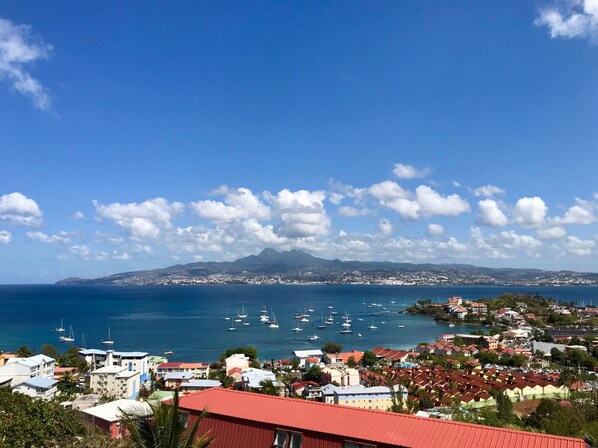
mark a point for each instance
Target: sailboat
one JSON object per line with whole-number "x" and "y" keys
{"x": 83, "y": 343}
{"x": 60, "y": 329}
{"x": 274, "y": 324}
{"x": 70, "y": 337}
{"x": 372, "y": 327}
{"x": 322, "y": 325}
{"x": 246, "y": 323}
{"x": 232, "y": 327}
{"x": 108, "y": 341}
{"x": 243, "y": 313}
{"x": 227, "y": 317}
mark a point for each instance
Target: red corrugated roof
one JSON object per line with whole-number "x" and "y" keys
{"x": 375, "y": 426}
{"x": 169, "y": 365}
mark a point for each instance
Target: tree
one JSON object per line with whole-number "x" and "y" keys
{"x": 268, "y": 388}
{"x": 369, "y": 359}
{"x": 332, "y": 347}
{"x": 351, "y": 362}
{"x": 165, "y": 427}
{"x": 249, "y": 351}
{"x": 504, "y": 407}
{"x": 313, "y": 374}
{"x": 50, "y": 350}
{"x": 426, "y": 403}
{"x": 567, "y": 378}
{"x": 553, "y": 418}
{"x": 23, "y": 352}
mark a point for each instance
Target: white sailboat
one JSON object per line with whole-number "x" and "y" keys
{"x": 243, "y": 313}
{"x": 227, "y": 317}
{"x": 274, "y": 324}
{"x": 108, "y": 341}
{"x": 70, "y": 337}
{"x": 60, "y": 329}
{"x": 372, "y": 327}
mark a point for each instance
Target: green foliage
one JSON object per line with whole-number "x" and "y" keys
{"x": 486, "y": 357}
{"x": 165, "y": 428}
{"x": 504, "y": 408}
{"x": 426, "y": 403}
{"x": 27, "y": 422}
{"x": 23, "y": 352}
{"x": 268, "y": 388}
{"x": 313, "y": 374}
{"x": 332, "y": 347}
{"x": 555, "y": 419}
{"x": 351, "y": 362}
{"x": 249, "y": 351}
{"x": 50, "y": 350}
{"x": 369, "y": 359}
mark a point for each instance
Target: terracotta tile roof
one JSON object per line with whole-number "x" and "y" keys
{"x": 369, "y": 425}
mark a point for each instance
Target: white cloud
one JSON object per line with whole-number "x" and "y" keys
{"x": 302, "y": 213}
{"x": 84, "y": 252}
{"x": 238, "y": 204}
{"x": 570, "y": 18}
{"x": 385, "y": 227}
{"x": 388, "y": 191}
{"x": 352, "y": 212}
{"x": 488, "y": 191}
{"x": 552, "y": 233}
{"x": 78, "y": 215}
{"x": 491, "y": 214}
{"x": 19, "y": 48}
{"x": 5, "y": 237}
{"x": 432, "y": 203}
{"x": 580, "y": 213}
{"x": 579, "y": 247}
{"x": 336, "y": 198}
{"x": 124, "y": 256}
{"x": 410, "y": 172}
{"x": 143, "y": 220}
{"x": 18, "y": 209}
{"x": 435, "y": 229}
{"x": 530, "y": 212}
{"x": 456, "y": 184}
{"x": 60, "y": 237}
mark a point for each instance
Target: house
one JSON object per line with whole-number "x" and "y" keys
{"x": 392, "y": 355}
{"x": 5, "y": 357}
{"x": 200, "y": 370}
{"x": 108, "y": 416}
{"x": 252, "y": 379}
{"x": 18, "y": 370}
{"x": 241, "y": 419}
{"x": 154, "y": 361}
{"x": 136, "y": 361}
{"x": 195, "y": 385}
{"x": 37, "y": 387}
{"x": 237, "y": 360}
{"x": 115, "y": 381}
{"x": 377, "y": 397}
{"x": 173, "y": 380}
{"x": 301, "y": 355}
{"x": 340, "y": 375}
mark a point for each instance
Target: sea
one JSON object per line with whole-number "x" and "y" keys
{"x": 189, "y": 320}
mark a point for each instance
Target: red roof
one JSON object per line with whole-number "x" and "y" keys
{"x": 170, "y": 365}
{"x": 375, "y": 426}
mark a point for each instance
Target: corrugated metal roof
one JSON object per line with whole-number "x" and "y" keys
{"x": 375, "y": 426}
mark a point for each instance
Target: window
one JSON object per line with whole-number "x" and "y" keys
{"x": 287, "y": 439}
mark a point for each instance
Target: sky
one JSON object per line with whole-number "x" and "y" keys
{"x": 139, "y": 135}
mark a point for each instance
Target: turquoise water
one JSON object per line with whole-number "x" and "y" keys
{"x": 189, "y": 319}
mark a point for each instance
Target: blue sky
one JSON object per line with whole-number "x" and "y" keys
{"x": 136, "y": 136}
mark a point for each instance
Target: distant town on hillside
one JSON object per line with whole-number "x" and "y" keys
{"x": 298, "y": 267}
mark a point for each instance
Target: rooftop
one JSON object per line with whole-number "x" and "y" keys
{"x": 375, "y": 426}
{"x": 112, "y": 411}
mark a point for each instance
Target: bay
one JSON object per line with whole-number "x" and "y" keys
{"x": 188, "y": 320}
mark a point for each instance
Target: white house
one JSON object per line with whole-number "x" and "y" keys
{"x": 115, "y": 381}
{"x": 137, "y": 361}
{"x": 37, "y": 387}
{"x": 252, "y": 378}
{"x": 342, "y": 375}
{"x": 301, "y": 355}
{"x": 237, "y": 360}
{"x": 18, "y": 370}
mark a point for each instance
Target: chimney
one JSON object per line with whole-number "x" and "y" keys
{"x": 109, "y": 357}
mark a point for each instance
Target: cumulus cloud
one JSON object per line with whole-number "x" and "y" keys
{"x": 491, "y": 214}
{"x": 238, "y": 204}
{"x": 121, "y": 256}
{"x": 488, "y": 191}
{"x": 435, "y": 229}
{"x": 432, "y": 203}
{"x": 570, "y": 18}
{"x": 579, "y": 247}
{"x": 60, "y": 237}
{"x": 16, "y": 208}
{"x": 302, "y": 213}
{"x": 5, "y": 237}
{"x": 19, "y": 49}
{"x": 530, "y": 212}
{"x": 143, "y": 220}
{"x": 335, "y": 198}
{"x": 580, "y": 213}
{"x": 78, "y": 216}
{"x": 85, "y": 253}
{"x": 410, "y": 172}
{"x": 552, "y": 233}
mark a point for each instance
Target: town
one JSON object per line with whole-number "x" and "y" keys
{"x": 530, "y": 364}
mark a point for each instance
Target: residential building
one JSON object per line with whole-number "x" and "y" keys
{"x": 301, "y": 355}
{"x": 5, "y": 357}
{"x": 108, "y": 417}
{"x": 236, "y": 360}
{"x": 241, "y": 419}
{"x": 37, "y": 387}
{"x": 136, "y": 361}
{"x": 340, "y": 375}
{"x": 18, "y": 370}
{"x": 173, "y": 380}
{"x": 252, "y": 379}
{"x": 200, "y": 370}
{"x": 195, "y": 385}
{"x": 115, "y": 381}
{"x": 377, "y": 397}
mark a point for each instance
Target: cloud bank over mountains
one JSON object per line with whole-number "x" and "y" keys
{"x": 387, "y": 220}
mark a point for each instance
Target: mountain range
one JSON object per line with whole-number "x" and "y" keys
{"x": 297, "y": 265}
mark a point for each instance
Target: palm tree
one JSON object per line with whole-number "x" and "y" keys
{"x": 165, "y": 427}
{"x": 269, "y": 388}
{"x": 567, "y": 378}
